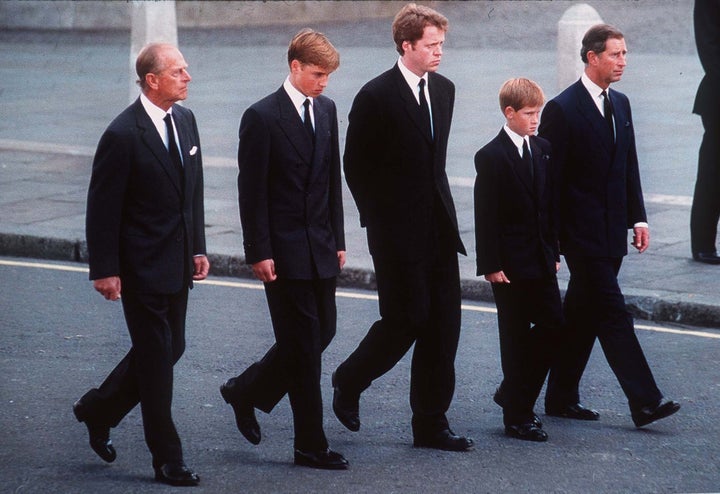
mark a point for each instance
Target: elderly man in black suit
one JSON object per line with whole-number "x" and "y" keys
{"x": 290, "y": 193}
{"x": 590, "y": 129}
{"x": 146, "y": 242}
{"x": 395, "y": 167}
{"x": 705, "y": 210}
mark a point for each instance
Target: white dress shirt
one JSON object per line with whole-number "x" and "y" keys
{"x": 298, "y": 100}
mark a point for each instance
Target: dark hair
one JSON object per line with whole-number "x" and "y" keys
{"x": 596, "y": 37}
{"x": 409, "y": 24}
{"x": 312, "y": 47}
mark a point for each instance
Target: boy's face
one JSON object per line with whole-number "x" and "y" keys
{"x": 524, "y": 121}
{"x": 308, "y": 78}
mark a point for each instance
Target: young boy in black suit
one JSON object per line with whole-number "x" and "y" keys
{"x": 517, "y": 251}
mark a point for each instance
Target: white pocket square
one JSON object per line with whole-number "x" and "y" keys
{"x": 193, "y": 150}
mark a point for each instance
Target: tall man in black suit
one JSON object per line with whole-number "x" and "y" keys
{"x": 395, "y": 167}
{"x": 705, "y": 210}
{"x": 290, "y": 193}
{"x": 517, "y": 251}
{"x": 591, "y": 132}
{"x": 146, "y": 241}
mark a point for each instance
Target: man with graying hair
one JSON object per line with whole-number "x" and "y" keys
{"x": 146, "y": 243}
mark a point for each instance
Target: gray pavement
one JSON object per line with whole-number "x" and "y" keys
{"x": 59, "y": 90}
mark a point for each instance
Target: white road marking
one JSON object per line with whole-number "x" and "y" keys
{"x": 256, "y": 285}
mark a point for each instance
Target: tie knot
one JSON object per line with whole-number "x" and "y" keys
{"x": 168, "y": 118}
{"x": 421, "y": 84}
{"x": 306, "y": 103}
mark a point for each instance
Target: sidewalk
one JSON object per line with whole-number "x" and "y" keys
{"x": 59, "y": 91}
{"x": 43, "y": 204}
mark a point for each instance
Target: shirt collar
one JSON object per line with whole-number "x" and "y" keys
{"x": 594, "y": 90}
{"x": 516, "y": 138}
{"x": 411, "y": 78}
{"x": 155, "y": 113}
{"x": 297, "y": 98}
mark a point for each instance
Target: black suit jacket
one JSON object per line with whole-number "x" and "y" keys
{"x": 515, "y": 219}
{"x": 600, "y": 192}
{"x": 706, "y": 17}
{"x": 291, "y": 196}
{"x": 143, "y": 222}
{"x": 395, "y": 169}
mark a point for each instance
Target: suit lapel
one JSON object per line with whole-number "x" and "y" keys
{"x": 186, "y": 144}
{"x": 322, "y": 135}
{"x": 410, "y": 104}
{"x": 589, "y": 111}
{"x": 292, "y": 126}
{"x": 539, "y": 167}
{"x": 516, "y": 162}
{"x": 154, "y": 143}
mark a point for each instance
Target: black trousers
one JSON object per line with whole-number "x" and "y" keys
{"x": 594, "y": 307}
{"x": 529, "y": 320}
{"x": 705, "y": 210}
{"x": 304, "y": 318}
{"x": 145, "y": 375}
{"x": 419, "y": 303}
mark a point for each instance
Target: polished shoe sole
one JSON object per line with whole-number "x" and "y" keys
{"x": 190, "y": 482}
{"x": 103, "y": 448}
{"x": 351, "y": 423}
{"x": 460, "y": 446}
{"x": 538, "y": 436}
{"x": 571, "y": 415}
{"x": 303, "y": 461}
{"x": 253, "y": 437}
{"x": 663, "y": 411}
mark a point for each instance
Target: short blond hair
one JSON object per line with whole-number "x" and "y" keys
{"x": 520, "y": 92}
{"x": 311, "y": 47}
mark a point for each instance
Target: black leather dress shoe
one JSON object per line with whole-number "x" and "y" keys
{"x": 326, "y": 460}
{"x": 444, "y": 439}
{"x": 245, "y": 419}
{"x": 499, "y": 398}
{"x": 707, "y": 257}
{"x": 647, "y": 415}
{"x": 526, "y": 432}
{"x": 176, "y": 474}
{"x": 346, "y": 407}
{"x": 99, "y": 436}
{"x": 576, "y": 411}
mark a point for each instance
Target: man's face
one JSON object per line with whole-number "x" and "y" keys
{"x": 524, "y": 121}
{"x": 309, "y": 79}
{"x": 424, "y": 55}
{"x": 170, "y": 84}
{"x": 609, "y": 65}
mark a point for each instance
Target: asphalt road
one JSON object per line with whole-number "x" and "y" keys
{"x": 58, "y": 338}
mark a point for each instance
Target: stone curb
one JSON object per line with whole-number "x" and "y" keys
{"x": 654, "y": 307}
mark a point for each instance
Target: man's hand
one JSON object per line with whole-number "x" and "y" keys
{"x": 110, "y": 287}
{"x": 498, "y": 277}
{"x": 341, "y": 258}
{"x": 641, "y": 238}
{"x": 265, "y": 270}
{"x": 202, "y": 267}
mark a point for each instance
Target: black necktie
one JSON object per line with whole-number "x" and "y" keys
{"x": 307, "y": 121}
{"x": 424, "y": 107}
{"x": 172, "y": 146}
{"x": 607, "y": 107}
{"x": 527, "y": 160}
